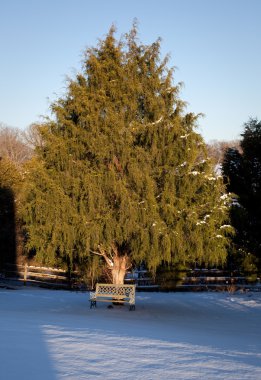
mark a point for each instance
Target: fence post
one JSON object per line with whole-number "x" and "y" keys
{"x": 25, "y": 273}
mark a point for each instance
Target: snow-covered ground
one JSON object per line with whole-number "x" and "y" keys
{"x": 47, "y": 334}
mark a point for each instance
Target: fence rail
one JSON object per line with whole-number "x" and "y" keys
{"x": 218, "y": 280}
{"x": 45, "y": 276}
{"x": 193, "y": 281}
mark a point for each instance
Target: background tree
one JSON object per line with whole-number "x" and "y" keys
{"x": 121, "y": 172}
{"x": 14, "y": 152}
{"x": 216, "y": 151}
{"x": 10, "y": 181}
{"x": 13, "y": 145}
{"x": 32, "y": 137}
{"x": 242, "y": 170}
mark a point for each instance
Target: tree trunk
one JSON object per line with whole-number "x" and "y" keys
{"x": 118, "y": 264}
{"x": 119, "y": 269}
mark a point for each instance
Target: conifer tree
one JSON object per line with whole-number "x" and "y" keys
{"x": 10, "y": 184}
{"x": 121, "y": 172}
{"x": 242, "y": 171}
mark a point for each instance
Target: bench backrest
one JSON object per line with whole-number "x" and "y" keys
{"x": 127, "y": 291}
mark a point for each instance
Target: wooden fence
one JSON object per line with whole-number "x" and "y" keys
{"x": 41, "y": 276}
{"x": 213, "y": 279}
{"x": 194, "y": 280}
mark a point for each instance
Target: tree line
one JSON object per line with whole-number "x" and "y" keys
{"x": 119, "y": 175}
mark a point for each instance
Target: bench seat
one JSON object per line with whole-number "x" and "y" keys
{"x": 113, "y": 293}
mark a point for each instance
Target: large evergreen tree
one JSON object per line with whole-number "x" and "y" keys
{"x": 242, "y": 170}
{"x": 121, "y": 171}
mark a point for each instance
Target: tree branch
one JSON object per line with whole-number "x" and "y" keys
{"x": 96, "y": 253}
{"x": 115, "y": 250}
{"x": 106, "y": 258}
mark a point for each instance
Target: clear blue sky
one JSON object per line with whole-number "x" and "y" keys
{"x": 215, "y": 45}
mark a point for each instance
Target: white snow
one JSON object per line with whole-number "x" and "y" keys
{"x": 157, "y": 121}
{"x": 224, "y": 226}
{"x": 185, "y": 136}
{"x": 47, "y": 334}
{"x": 224, "y": 196}
{"x": 201, "y": 222}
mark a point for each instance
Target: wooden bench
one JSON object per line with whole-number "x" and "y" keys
{"x": 113, "y": 293}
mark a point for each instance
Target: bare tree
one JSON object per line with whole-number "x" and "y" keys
{"x": 13, "y": 145}
{"x": 32, "y": 136}
{"x": 217, "y": 149}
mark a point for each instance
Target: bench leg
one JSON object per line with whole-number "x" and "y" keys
{"x": 92, "y": 304}
{"x": 132, "y": 307}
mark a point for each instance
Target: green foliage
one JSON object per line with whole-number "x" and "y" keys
{"x": 249, "y": 266}
{"x": 242, "y": 171}
{"x": 170, "y": 276}
{"x": 91, "y": 270}
{"x": 10, "y": 182}
{"x": 10, "y": 176}
{"x": 121, "y": 164}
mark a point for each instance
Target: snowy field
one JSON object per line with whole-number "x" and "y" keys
{"x": 47, "y": 334}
